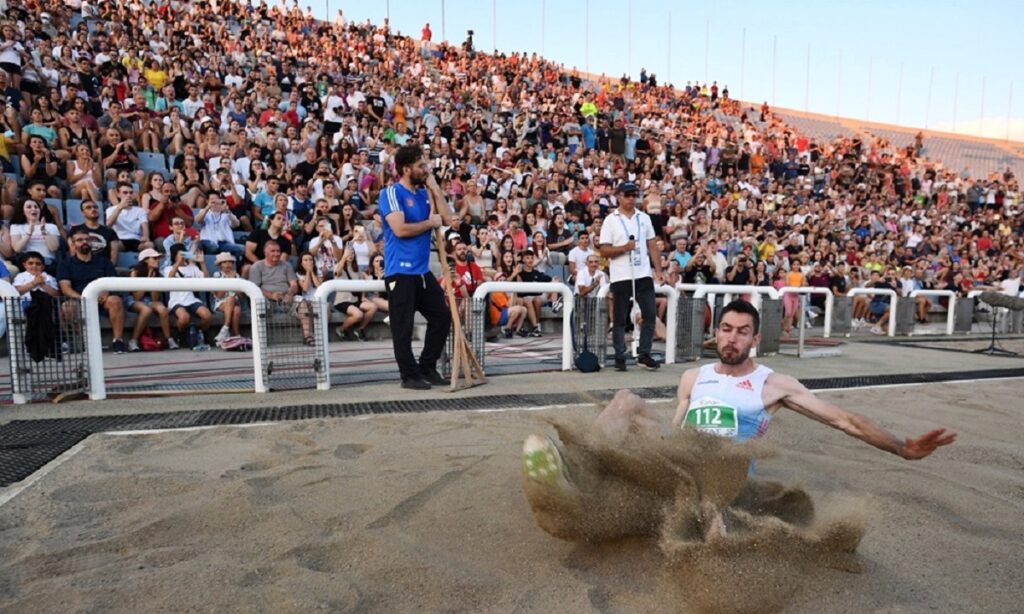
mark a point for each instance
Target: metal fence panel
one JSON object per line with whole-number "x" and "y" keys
{"x": 690, "y": 328}
{"x": 842, "y": 315}
{"x": 771, "y": 326}
{"x": 590, "y": 325}
{"x": 905, "y": 316}
{"x": 293, "y": 344}
{"x": 48, "y": 355}
{"x": 964, "y": 316}
{"x": 474, "y": 327}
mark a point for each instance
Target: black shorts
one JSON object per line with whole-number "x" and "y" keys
{"x": 12, "y": 69}
{"x": 193, "y": 309}
{"x": 130, "y": 245}
{"x": 343, "y": 306}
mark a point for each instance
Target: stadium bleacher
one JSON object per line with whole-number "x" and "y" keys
{"x": 418, "y": 91}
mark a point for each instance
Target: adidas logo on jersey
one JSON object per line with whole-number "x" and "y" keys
{"x": 745, "y": 385}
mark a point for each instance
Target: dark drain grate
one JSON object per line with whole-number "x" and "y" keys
{"x": 27, "y": 445}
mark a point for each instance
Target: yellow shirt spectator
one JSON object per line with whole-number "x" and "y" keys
{"x": 155, "y": 77}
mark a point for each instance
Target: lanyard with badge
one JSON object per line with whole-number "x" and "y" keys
{"x": 637, "y": 254}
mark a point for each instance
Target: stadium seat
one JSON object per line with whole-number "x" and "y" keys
{"x": 73, "y": 212}
{"x": 59, "y": 205}
{"x": 211, "y": 265}
{"x": 126, "y": 260}
{"x": 149, "y": 161}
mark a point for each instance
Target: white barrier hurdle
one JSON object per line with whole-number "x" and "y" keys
{"x": 892, "y": 303}
{"x": 829, "y": 302}
{"x": 94, "y": 341}
{"x": 950, "y": 313}
{"x": 322, "y": 293}
{"x": 671, "y": 321}
{"x": 518, "y": 287}
{"x": 17, "y": 394}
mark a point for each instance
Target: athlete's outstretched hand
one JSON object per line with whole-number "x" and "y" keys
{"x": 915, "y": 449}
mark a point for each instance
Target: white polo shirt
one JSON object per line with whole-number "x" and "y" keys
{"x": 615, "y": 231}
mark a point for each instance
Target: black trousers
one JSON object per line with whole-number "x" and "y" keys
{"x": 408, "y": 294}
{"x": 622, "y": 292}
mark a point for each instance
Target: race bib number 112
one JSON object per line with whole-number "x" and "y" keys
{"x": 716, "y": 419}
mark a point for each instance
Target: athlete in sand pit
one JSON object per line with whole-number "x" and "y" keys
{"x": 734, "y": 398}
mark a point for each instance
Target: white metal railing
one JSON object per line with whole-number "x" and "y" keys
{"x": 950, "y": 312}
{"x": 518, "y": 287}
{"x": 322, "y": 293}
{"x": 829, "y": 301}
{"x": 94, "y": 342}
{"x": 728, "y": 291}
{"x": 671, "y": 321}
{"x": 880, "y": 292}
{"x": 17, "y": 394}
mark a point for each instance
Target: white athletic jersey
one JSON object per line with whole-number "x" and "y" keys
{"x": 729, "y": 406}
{"x": 616, "y": 231}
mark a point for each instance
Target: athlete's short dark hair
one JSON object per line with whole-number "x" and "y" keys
{"x": 406, "y": 155}
{"x": 741, "y": 306}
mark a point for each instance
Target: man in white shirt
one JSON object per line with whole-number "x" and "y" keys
{"x": 629, "y": 242}
{"x": 590, "y": 278}
{"x": 578, "y": 255}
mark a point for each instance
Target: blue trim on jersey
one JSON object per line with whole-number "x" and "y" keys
{"x": 409, "y": 256}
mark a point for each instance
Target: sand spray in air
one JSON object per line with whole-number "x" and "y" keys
{"x": 730, "y": 543}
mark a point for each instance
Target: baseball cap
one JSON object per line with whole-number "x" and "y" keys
{"x": 627, "y": 187}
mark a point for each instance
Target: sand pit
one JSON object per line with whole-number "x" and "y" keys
{"x": 426, "y": 513}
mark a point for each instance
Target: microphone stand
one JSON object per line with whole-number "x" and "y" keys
{"x": 994, "y": 348}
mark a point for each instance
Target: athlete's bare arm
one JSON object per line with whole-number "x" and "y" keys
{"x": 791, "y": 393}
{"x": 683, "y": 393}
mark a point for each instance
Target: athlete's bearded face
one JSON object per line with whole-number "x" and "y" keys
{"x": 735, "y": 337}
{"x": 418, "y": 173}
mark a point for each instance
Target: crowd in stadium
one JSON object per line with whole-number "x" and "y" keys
{"x": 175, "y": 137}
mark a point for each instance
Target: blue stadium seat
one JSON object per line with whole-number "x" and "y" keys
{"x": 59, "y": 205}
{"x": 73, "y": 212}
{"x": 149, "y": 161}
{"x": 126, "y": 260}
{"x": 16, "y": 163}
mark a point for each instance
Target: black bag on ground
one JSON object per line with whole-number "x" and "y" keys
{"x": 586, "y": 361}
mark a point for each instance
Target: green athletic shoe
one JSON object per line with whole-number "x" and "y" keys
{"x": 542, "y": 462}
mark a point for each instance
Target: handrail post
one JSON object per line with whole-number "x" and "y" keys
{"x": 320, "y": 296}
{"x": 17, "y": 394}
{"x": 671, "y": 323}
